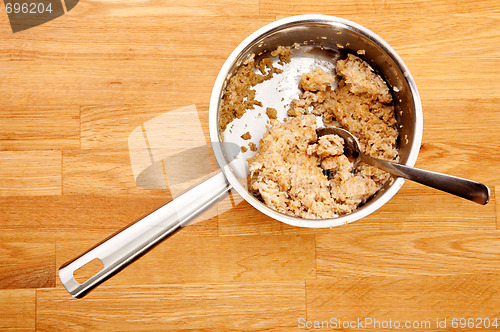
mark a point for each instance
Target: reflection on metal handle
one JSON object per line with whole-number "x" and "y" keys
{"x": 471, "y": 190}
{"x": 132, "y": 242}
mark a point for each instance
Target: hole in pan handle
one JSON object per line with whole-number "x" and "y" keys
{"x": 123, "y": 248}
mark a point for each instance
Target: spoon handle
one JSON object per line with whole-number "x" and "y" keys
{"x": 123, "y": 248}
{"x": 471, "y": 190}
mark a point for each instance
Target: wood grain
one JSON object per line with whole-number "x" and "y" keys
{"x": 386, "y": 253}
{"x": 102, "y": 171}
{"x": 18, "y": 309}
{"x": 496, "y": 191}
{"x": 38, "y": 127}
{"x": 409, "y": 210}
{"x": 392, "y": 8}
{"x": 109, "y": 127}
{"x": 169, "y": 8}
{"x": 30, "y": 173}
{"x": 458, "y": 147}
{"x": 105, "y": 127}
{"x": 186, "y": 259}
{"x": 78, "y": 55}
{"x": 27, "y": 263}
{"x": 206, "y": 306}
{"x": 74, "y": 88}
{"x": 419, "y": 299}
{"x": 254, "y": 222}
{"x": 68, "y": 216}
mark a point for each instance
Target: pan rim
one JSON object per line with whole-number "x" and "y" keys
{"x": 226, "y": 168}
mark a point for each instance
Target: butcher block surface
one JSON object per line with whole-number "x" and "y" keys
{"x": 72, "y": 90}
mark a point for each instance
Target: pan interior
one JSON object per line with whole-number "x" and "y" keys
{"x": 277, "y": 92}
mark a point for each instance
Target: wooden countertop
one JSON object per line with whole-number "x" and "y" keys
{"x": 73, "y": 89}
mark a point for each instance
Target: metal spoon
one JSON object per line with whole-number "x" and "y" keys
{"x": 471, "y": 190}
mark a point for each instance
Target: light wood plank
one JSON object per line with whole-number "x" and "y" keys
{"x": 38, "y": 127}
{"x": 183, "y": 259}
{"x": 30, "y": 173}
{"x": 110, "y": 126}
{"x": 414, "y": 208}
{"x": 459, "y": 158}
{"x": 18, "y": 309}
{"x": 139, "y": 38}
{"x": 379, "y": 8}
{"x": 185, "y": 66}
{"x": 254, "y": 222}
{"x": 227, "y": 306}
{"x": 169, "y": 8}
{"x": 495, "y": 191}
{"x": 474, "y": 120}
{"x": 386, "y": 253}
{"x": 403, "y": 298}
{"x": 104, "y": 172}
{"x": 68, "y": 216}
{"x": 466, "y": 145}
{"x": 439, "y": 76}
{"x": 27, "y": 261}
{"x": 423, "y": 253}
{"x": 109, "y": 172}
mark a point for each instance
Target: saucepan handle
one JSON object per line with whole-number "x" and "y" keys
{"x": 123, "y": 248}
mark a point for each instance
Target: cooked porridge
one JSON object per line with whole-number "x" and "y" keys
{"x": 298, "y": 174}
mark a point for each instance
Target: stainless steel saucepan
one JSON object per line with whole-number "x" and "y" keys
{"x": 322, "y": 40}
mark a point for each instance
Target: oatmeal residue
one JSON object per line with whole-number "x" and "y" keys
{"x": 298, "y": 174}
{"x": 239, "y": 95}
